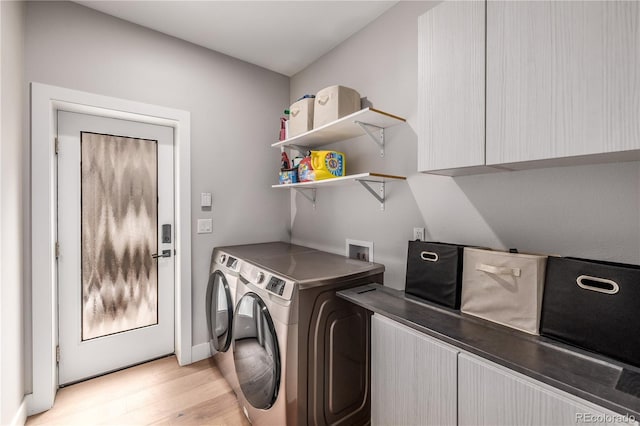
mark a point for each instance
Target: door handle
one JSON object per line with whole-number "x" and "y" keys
{"x": 165, "y": 253}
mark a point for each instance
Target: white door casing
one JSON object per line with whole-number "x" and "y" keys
{"x": 82, "y": 357}
{"x": 46, "y": 100}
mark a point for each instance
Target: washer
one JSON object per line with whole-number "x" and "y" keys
{"x": 301, "y": 353}
{"x": 220, "y": 302}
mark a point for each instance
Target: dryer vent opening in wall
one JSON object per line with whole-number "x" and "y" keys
{"x": 361, "y": 250}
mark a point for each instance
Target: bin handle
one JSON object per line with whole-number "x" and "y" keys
{"x": 429, "y": 256}
{"x": 614, "y": 287}
{"x": 498, "y": 270}
{"x": 322, "y": 100}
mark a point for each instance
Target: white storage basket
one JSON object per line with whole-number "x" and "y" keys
{"x": 505, "y": 288}
{"x": 334, "y": 102}
{"x": 300, "y": 117}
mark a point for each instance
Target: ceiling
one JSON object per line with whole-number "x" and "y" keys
{"x": 283, "y": 36}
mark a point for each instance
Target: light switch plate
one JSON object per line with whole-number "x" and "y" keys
{"x": 205, "y": 199}
{"x": 205, "y": 226}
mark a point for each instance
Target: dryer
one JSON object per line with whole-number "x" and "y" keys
{"x": 220, "y": 302}
{"x": 301, "y": 353}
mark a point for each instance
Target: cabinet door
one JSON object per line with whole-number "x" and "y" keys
{"x": 451, "y": 80}
{"x": 563, "y": 79}
{"x": 413, "y": 378}
{"x": 490, "y": 395}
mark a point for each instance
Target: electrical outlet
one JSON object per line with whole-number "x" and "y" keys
{"x": 418, "y": 234}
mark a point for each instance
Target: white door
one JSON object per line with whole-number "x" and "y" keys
{"x": 115, "y": 215}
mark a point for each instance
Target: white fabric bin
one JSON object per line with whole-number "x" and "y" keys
{"x": 505, "y": 288}
{"x": 300, "y": 117}
{"x": 334, "y": 102}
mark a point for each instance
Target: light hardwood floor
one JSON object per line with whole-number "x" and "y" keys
{"x": 159, "y": 392}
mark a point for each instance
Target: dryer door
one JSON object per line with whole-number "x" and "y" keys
{"x": 255, "y": 352}
{"x": 219, "y": 312}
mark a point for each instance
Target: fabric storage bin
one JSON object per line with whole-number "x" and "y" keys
{"x": 300, "y": 117}
{"x": 505, "y": 288}
{"x": 593, "y": 304}
{"x": 434, "y": 272}
{"x": 334, "y": 102}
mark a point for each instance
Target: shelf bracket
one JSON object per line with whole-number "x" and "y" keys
{"x": 375, "y": 133}
{"x": 379, "y": 195}
{"x": 311, "y": 197}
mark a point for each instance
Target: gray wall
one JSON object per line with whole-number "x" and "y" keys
{"x": 12, "y": 162}
{"x": 588, "y": 211}
{"x": 235, "y": 109}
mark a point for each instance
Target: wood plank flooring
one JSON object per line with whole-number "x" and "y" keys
{"x": 159, "y": 392}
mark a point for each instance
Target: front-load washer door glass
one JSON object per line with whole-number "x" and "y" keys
{"x": 219, "y": 311}
{"x": 255, "y": 352}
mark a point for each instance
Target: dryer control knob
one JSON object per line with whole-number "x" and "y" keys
{"x": 223, "y": 258}
{"x": 260, "y": 277}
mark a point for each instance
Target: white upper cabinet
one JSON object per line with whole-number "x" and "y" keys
{"x": 451, "y": 80}
{"x": 562, "y": 85}
{"x": 563, "y": 79}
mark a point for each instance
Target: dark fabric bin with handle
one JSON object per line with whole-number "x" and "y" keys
{"x": 594, "y": 305}
{"x": 434, "y": 272}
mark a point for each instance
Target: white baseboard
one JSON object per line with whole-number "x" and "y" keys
{"x": 200, "y": 352}
{"x": 20, "y": 418}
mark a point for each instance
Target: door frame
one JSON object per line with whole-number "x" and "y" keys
{"x": 46, "y": 100}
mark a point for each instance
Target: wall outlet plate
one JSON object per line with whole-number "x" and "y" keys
{"x": 205, "y": 226}
{"x": 359, "y": 250}
{"x": 418, "y": 234}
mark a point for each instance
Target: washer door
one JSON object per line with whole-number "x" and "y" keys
{"x": 255, "y": 352}
{"x": 219, "y": 311}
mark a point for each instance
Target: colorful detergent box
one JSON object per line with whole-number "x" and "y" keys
{"x": 288, "y": 176}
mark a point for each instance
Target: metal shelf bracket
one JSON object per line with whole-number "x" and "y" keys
{"x": 306, "y": 195}
{"x": 378, "y": 195}
{"x": 375, "y": 133}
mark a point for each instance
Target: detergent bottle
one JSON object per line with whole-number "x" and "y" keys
{"x": 328, "y": 164}
{"x": 305, "y": 170}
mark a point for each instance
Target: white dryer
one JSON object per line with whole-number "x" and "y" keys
{"x": 220, "y": 302}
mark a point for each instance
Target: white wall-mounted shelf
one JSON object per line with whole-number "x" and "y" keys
{"x": 365, "y": 179}
{"x": 367, "y": 121}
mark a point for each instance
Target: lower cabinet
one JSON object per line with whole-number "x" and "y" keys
{"x": 418, "y": 380}
{"x": 492, "y": 395}
{"x": 413, "y": 377}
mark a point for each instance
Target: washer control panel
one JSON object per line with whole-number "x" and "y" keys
{"x": 276, "y": 285}
{"x": 229, "y": 261}
{"x": 267, "y": 281}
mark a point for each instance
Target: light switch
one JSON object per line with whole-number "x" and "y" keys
{"x": 205, "y": 226}
{"x": 205, "y": 199}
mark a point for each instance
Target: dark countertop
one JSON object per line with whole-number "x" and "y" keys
{"x": 580, "y": 373}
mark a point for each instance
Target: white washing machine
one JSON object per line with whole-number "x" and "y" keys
{"x": 220, "y": 302}
{"x": 301, "y": 353}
